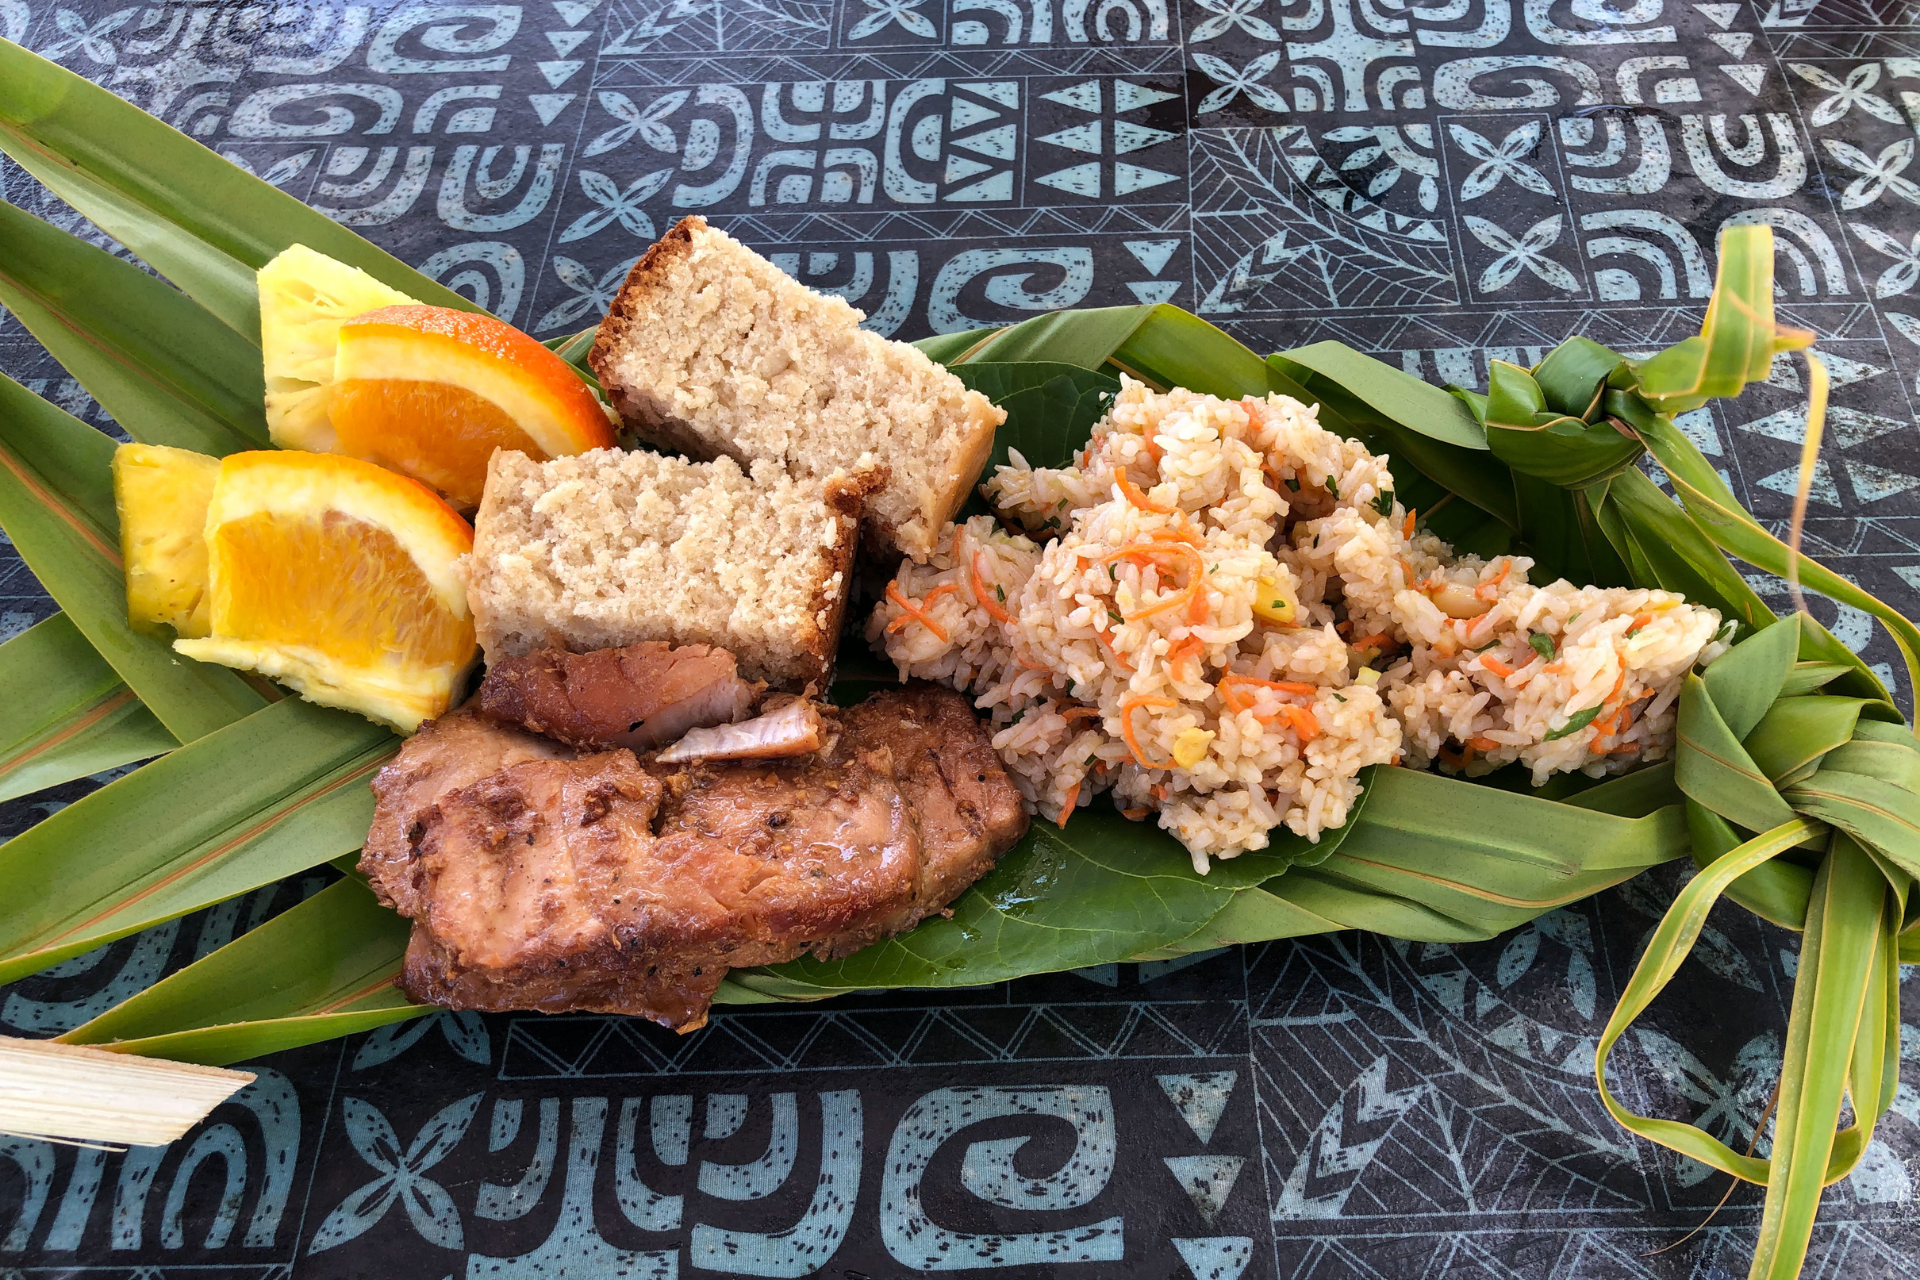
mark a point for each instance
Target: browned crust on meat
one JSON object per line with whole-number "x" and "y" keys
{"x": 645, "y": 415}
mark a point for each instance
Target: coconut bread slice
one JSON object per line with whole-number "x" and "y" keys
{"x": 606, "y": 548}
{"x": 712, "y": 350}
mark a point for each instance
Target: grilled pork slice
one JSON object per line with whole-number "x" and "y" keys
{"x": 603, "y": 884}
{"x": 639, "y": 696}
{"x": 455, "y": 751}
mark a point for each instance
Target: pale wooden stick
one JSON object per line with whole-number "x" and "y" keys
{"x": 73, "y": 1092}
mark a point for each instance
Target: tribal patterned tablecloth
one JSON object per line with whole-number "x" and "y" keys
{"x": 1442, "y": 184}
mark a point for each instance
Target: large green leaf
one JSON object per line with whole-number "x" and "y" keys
{"x": 56, "y": 505}
{"x": 1085, "y": 339}
{"x": 1562, "y": 531}
{"x": 275, "y": 793}
{"x": 1101, "y": 889}
{"x": 951, "y": 348}
{"x": 1714, "y": 769}
{"x": 156, "y": 360}
{"x": 1394, "y": 394}
{"x": 1051, "y": 407}
{"x": 201, "y": 221}
{"x": 1381, "y": 408}
{"x": 1747, "y": 678}
{"x": 64, "y": 714}
{"x": 1175, "y": 348}
{"x": 1794, "y": 735}
{"x": 1776, "y": 891}
{"x": 1159, "y": 344}
{"x": 318, "y": 971}
{"x": 1669, "y": 550}
{"x": 1412, "y": 862}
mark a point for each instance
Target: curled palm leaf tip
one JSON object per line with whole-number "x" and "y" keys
{"x": 1818, "y": 384}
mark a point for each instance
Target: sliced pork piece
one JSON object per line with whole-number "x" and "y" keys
{"x": 790, "y": 729}
{"x": 602, "y": 884}
{"x": 455, "y": 751}
{"x": 968, "y": 810}
{"x": 639, "y": 697}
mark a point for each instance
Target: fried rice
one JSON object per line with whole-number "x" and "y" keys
{"x": 1221, "y": 614}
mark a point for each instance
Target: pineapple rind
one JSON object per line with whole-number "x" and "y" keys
{"x": 161, "y": 496}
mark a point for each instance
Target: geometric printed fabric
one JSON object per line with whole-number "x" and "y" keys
{"x": 1441, "y": 184}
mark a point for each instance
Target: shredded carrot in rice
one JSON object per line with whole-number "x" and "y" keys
{"x": 917, "y": 612}
{"x": 994, "y": 609}
{"x": 1159, "y": 792}
{"x": 1483, "y": 744}
{"x": 1188, "y": 648}
{"x": 1608, "y": 724}
{"x": 1302, "y": 721}
{"x": 1133, "y": 494}
{"x": 1496, "y": 666}
{"x": 1639, "y": 622}
{"x": 1406, "y": 530}
{"x": 1379, "y": 640}
{"x": 1185, "y": 532}
{"x": 1127, "y": 707}
{"x": 1488, "y": 590}
{"x": 1078, "y": 713}
{"x": 1119, "y": 659}
{"x": 1066, "y": 809}
{"x": 1135, "y": 815}
{"x": 1236, "y": 703}
{"x": 1185, "y": 595}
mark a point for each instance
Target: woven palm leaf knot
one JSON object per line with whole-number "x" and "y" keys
{"x": 1803, "y": 805}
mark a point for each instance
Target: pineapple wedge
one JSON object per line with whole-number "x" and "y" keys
{"x": 162, "y": 496}
{"x": 304, "y": 298}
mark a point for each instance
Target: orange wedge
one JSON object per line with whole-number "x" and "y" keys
{"x": 431, "y": 392}
{"x": 336, "y": 577}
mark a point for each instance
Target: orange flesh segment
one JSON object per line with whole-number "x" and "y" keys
{"x": 434, "y": 431}
{"x": 337, "y": 581}
{"x": 431, "y": 392}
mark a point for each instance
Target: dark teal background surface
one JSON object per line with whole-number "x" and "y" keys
{"x": 1441, "y": 184}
